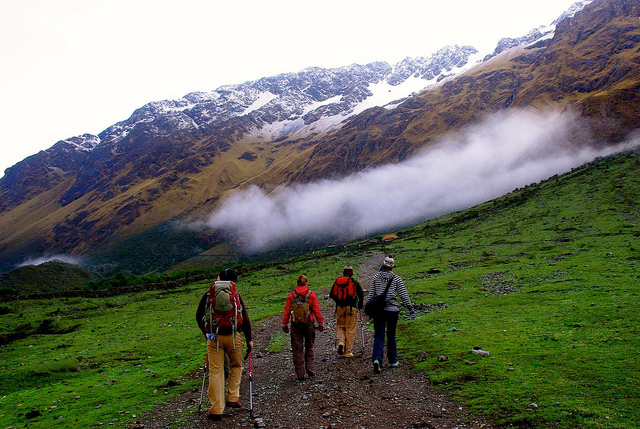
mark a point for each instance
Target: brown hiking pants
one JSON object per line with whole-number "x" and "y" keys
{"x": 346, "y": 325}
{"x": 302, "y": 338}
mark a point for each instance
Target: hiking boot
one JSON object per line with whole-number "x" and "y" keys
{"x": 233, "y": 404}
{"x": 394, "y": 365}
{"x": 311, "y": 374}
{"x": 214, "y": 417}
{"x": 348, "y": 355}
{"x": 340, "y": 349}
{"x": 376, "y": 366}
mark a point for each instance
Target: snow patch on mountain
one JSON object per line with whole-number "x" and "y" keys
{"x": 383, "y": 93}
{"x": 262, "y": 100}
{"x": 83, "y": 143}
{"x": 316, "y": 105}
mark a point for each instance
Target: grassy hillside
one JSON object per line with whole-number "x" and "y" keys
{"x": 51, "y": 276}
{"x": 545, "y": 279}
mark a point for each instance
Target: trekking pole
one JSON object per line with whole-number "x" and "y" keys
{"x": 250, "y": 386}
{"x": 362, "y": 330}
{"x": 204, "y": 376}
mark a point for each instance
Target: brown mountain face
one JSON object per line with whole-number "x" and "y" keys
{"x": 122, "y": 195}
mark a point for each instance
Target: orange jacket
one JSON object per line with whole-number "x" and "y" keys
{"x": 314, "y": 305}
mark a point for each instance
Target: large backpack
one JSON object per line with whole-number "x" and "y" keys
{"x": 300, "y": 308}
{"x": 343, "y": 291}
{"x": 223, "y": 309}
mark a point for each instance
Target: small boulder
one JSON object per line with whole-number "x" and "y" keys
{"x": 478, "y": 351}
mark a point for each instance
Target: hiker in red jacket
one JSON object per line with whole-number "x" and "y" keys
{"x": 302, "y": 310}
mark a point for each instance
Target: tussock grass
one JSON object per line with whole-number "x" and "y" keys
{"x": 545, "y": 279}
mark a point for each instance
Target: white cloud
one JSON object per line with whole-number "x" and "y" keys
{"x": 482, "y": 162}
{"x": 41, "y": 260}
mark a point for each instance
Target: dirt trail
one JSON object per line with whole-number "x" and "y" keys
{"x": 345, "y": 393}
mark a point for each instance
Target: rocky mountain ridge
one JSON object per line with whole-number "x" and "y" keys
{"x": 544, "y": 32}
{"x": 294, "y": 100}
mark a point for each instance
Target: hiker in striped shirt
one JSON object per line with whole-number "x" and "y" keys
{"x": 389, "y": 318}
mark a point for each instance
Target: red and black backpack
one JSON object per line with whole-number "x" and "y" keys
{"x": 223, "y": 312}
{"x": 343, "y": 291}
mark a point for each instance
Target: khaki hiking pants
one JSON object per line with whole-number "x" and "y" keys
{"x": 224, "y": 344}
{"x": 346, "y": 325}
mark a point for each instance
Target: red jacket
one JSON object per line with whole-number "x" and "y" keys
{"x": 314, "y": 305}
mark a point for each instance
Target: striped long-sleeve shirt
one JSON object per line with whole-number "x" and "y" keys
{"x": 396, "y": 290}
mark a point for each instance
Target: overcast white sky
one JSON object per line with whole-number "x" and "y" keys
{"x": 69, "y": 67}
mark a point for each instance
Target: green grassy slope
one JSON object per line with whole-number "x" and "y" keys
{"x": 47, "y": 277}
{"x": 545, "y": 279}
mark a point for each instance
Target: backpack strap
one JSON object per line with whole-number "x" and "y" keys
{"x": 355, "y": 294}
{"x": 306, "y": 295}
{"x": 386, "y": 290}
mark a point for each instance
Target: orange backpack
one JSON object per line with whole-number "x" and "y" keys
{"x": 343, "y": 291}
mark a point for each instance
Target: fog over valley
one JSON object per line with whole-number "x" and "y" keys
{"x": 476, "y": 164}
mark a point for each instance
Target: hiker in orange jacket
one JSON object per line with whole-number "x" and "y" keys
{"x": 302, "y": 310}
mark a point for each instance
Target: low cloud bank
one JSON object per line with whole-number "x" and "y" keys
{"x": 41, "y": 260}
{"x": 482, "y": 162}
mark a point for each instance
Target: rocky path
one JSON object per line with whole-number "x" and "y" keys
{"x": 345, "y": 393}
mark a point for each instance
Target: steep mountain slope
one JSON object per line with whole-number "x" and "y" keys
{"x": 174, "y": 160}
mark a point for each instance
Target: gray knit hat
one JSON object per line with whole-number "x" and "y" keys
{"x": 388, "y": 262}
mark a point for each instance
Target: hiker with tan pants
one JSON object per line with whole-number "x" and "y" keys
{"x": 222, "y": 316}
{"x": 347, "y": 293}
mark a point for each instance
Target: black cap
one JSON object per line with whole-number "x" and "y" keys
{"x": 228, "y": 274}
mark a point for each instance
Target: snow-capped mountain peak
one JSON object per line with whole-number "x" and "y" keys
{"x": 312, "y": 100}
